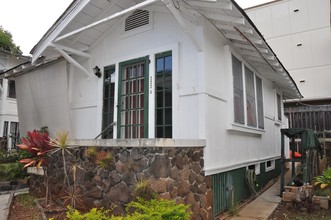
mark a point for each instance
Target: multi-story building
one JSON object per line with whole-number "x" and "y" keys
{"x": 299, "y": 33}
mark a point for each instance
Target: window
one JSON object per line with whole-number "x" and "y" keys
{"x": 269, "y": 165}
{"x": 5, "y": 129}
{"x": 14, "y": 134}
{"x": 279, "y": 107}
{"x": 108, "y": 102}
{"x": 250, "y": 112}
{"x": 259, "y": 98}
{"x": 250, "y": 98}
{"x": 11, "y": 89}
{"x": 163, "y": 102}
{"x": 238, "y": 98}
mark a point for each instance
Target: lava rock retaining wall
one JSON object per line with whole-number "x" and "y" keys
{"x": 174, "y": 173}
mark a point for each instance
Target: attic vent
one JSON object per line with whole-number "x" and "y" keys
{"x": 138, "y": 18}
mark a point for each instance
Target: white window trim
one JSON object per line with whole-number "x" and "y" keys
{"x": 269, "y": 168}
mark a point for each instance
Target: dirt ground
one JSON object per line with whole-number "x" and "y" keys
{"x": 24, "y": 207}
{"x": 285, "y": 211}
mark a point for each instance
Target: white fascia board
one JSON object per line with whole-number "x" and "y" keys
{"x": 58, "y": 28}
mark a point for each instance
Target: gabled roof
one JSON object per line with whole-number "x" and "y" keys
{"x": 85, "y": 22}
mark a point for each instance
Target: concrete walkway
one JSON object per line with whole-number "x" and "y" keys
{"x": 262, "y": 207}
{"x": 5, "y": 200}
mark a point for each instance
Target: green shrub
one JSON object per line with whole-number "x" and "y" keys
{"x": 158, "y": 210}
{"x": 12, "y": 171}
{"x": 93, "y": 214}
{"x": 143, "y": 210}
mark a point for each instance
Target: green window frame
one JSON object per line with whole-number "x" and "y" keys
{"x": 163, "y": 95}
{"x": 132, "y": 114}
{"x": 108, "y": 102}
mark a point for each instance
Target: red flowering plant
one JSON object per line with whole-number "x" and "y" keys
{"x": 37, "y": 143}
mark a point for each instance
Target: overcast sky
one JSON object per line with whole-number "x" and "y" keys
{"x": 28, "y": 20}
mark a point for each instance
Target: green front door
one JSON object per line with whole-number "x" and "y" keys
{"x": 133, "y": 99}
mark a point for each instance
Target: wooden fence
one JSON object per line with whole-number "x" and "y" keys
{"x": 316, "y": 118}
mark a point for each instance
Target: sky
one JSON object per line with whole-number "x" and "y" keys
{"x": 29, "y": 20}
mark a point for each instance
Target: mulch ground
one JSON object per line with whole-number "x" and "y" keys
{"x": 285, "y": 211}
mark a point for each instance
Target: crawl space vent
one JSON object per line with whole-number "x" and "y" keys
{"x": 138, "y": 19}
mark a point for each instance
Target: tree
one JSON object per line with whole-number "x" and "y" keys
{"x": 7, "y": 44}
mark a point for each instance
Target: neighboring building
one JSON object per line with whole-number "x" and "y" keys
{"x": 299, "y": 32}
{"x": 169, "y": 69}
{"x": 9, "y": 126}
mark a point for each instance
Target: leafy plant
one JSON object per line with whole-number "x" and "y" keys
{"x": 93, "y": 214}
{"x": 158, "y": 210}
{"x": 103, "y": 159}
{"x": 14, "y": 171}
{"x": 91, "y": 153}
{"x": 323, "y": 180}
{"x": 38, "y": 145}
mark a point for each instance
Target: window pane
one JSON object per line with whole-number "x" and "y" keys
{"x": 259, "y": 98}
{"x": 238, "y": 91}
{"x": 11, "y": 89}
{"x": 168, "y": 116}
{"x": 168, "y": 64}
{"x": 250, "y": 98}
{"x": 159, "y": 98}
{"x": 168, "y": 132}
{"x": 159, "y": 117}
{"x": 168, "y": 99}
{"x": 159, "y": 65}
{"x": 279, "y": 107}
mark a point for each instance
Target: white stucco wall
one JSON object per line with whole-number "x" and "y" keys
{"x": 299, "y": 33}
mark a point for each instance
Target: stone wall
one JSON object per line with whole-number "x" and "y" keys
{"x": 174, "y": 173}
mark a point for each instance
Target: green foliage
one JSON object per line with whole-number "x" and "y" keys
{"x": 12, "y": 171}
{"x": 158, "y": 210}
{"x": 143, "y": 210}
{"x": 91, "y": 153}
{"x": 323, "y": 180}
{"x": 7, "y": 44}
{"x": 93, "y": 214}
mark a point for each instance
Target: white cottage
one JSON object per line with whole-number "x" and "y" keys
{"x": 167, "y": 69}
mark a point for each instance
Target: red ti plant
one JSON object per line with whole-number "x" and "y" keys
{"x": 37, "y": 143}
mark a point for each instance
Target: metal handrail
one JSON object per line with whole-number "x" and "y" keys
{"x": 112, "y": 124}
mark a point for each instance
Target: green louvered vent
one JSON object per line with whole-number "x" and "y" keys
{"x": 138, "y": 18}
